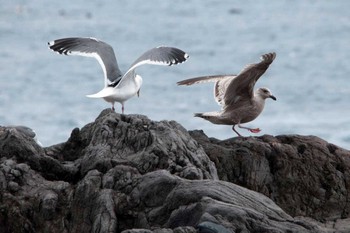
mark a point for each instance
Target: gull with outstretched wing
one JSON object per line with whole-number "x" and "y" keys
{"x": 235, "y": 93}
{"x": 118, "y": 87}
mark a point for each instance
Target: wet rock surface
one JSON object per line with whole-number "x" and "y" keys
{"x": 126, "y": 173}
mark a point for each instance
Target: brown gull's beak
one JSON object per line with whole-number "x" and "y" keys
{"x": 273, "y": 97}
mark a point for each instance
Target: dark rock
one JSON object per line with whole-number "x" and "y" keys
{"x": 126, "y": 173}
{"x": 48, "y": 204}
{"x": 138, "y": 231}
{"x": 304, "y": 175}
{"x": 210, "y": 227}
{"x": 138, "y": 142}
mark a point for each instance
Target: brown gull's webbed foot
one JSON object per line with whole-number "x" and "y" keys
{"x": 256, "y": 130}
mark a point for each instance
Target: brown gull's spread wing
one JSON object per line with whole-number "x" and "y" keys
{"x": 242, "y": 87}
{"x": 221, "y": 83}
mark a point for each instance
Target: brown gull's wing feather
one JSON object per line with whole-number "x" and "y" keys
{"x": 220, "y": 88}
{"x": 202, "y": 79}
{"x": 242, "y": 87}
{"x": 221, "y": 83}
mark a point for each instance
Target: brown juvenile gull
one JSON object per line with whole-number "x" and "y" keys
{"x": 118, "y": 87}
{"x": 235, "y": 93}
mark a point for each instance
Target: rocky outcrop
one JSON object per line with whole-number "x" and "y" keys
{"x": 126, "y": 173}
{"x": 304, "y": 175}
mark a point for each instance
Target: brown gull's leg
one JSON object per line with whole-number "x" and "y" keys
{"x": 233, "y": 128}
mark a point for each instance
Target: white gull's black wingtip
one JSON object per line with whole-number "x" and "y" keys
{"x": 51, "y": 45}
{"x": 178, "y": 56}
{"x": 60, "y": 45}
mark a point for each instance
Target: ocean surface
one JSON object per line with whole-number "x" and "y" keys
{"x": 310, "y": 75}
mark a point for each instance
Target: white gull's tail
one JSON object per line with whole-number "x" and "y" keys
{"x": 105, "y": 92}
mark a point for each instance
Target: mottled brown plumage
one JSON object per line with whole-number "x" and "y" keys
{"x": 236, "y": 95}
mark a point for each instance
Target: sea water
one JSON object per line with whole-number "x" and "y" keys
{"x": 310, "y": 75}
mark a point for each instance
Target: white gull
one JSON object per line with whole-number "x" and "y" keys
{"x": 118, "y": 87}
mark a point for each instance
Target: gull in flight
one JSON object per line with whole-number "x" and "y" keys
{"x": 117, "y": 87}
{"x": 235, "y": 93}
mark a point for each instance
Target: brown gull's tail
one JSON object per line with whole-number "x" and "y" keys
{"x": 213, "y": 117}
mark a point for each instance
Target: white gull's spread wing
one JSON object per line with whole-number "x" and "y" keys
{"x": 161, "y": 55}
{"x": 91, "y": 47}
{"x": 220, "y": 86}
{"x": 242, "y": 87}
